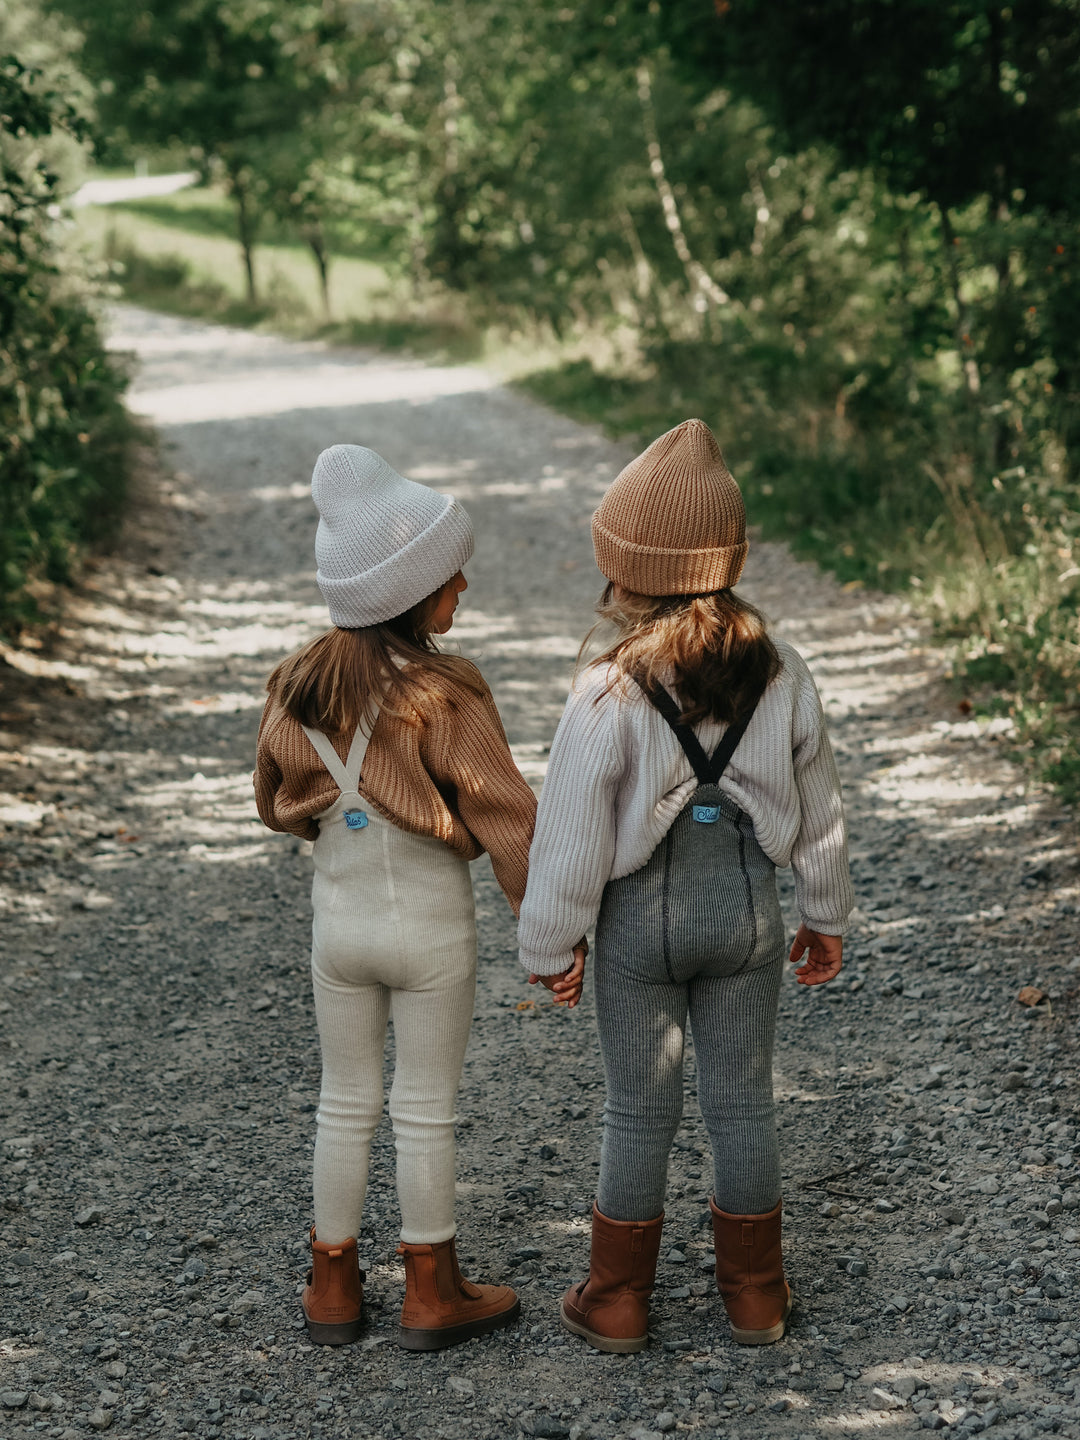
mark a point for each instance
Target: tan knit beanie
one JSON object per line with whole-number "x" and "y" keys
{"x": 673, "y": 522}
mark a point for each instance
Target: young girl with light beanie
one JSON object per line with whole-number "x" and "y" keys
{"x": 390, "y": 756}
{"x": 691, "y": 760}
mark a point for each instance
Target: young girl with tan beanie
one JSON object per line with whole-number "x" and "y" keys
{"x": 691, "y": 760}
{"x": 390, "y": 756}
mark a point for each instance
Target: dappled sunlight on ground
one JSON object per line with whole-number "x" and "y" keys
{"x": 135, "y": 870}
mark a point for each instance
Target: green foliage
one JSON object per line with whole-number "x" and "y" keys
{"x": 63, "y": 429}
{"x": 957, "y": 99}
{"x": 241, "y": 84}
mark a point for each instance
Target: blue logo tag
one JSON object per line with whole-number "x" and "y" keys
{"x": 355, "y": 819}
{"x": 706, "y": 814}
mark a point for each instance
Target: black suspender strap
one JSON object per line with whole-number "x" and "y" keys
{"x": 708, "y": 771}
{"x": 729, "y": 742}
{"x": 687, "y": 739}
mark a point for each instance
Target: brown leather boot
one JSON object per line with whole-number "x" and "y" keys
{"x": 334, "y": 1293}
{"x": 611, "y": 1308}
{"x": 750, "y": 1274}
{"x": 443, "y": 1308}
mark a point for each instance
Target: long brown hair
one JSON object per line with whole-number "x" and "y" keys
{"x": 714, "y": 649}
{"x": 343, "y": 678}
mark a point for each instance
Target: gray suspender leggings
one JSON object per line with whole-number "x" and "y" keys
{"x": 697, "y": 933}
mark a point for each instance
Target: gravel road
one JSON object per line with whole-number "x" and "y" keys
{"x": 159, "y": 1067}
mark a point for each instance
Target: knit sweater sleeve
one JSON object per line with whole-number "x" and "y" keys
{"x": 277, "y": 809}
{"x": 469, "y": 759}
{"x": 572, "y": 852}
{"x": 819, "y": 858}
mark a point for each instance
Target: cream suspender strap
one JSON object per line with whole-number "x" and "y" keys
{"x": 347, "y": 776}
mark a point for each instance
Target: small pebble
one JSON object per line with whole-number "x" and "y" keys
{"x": 852, "y": 1265}
{"x": 550, "y": 1427}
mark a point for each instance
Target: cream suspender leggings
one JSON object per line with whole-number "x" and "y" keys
{"x": 393, "y": 936}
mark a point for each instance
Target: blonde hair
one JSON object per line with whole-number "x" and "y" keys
{"x": 343, "y": 678}
{"x": 714, "y": 650}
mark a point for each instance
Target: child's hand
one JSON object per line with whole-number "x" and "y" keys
{"x": 566, "y": 987}
{"x": 823, "y": 956}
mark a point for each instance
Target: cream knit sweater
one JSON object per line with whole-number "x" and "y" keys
{"x": 618, "y": 777}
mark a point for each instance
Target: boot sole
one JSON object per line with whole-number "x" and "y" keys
{"x": 763, "y": 1337}
{"x": 346, "y": 1333}
{"x": 604, "y": 1342}
{"x": 410, "y": 1338}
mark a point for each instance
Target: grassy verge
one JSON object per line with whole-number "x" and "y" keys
{"x": 178, "y": 254}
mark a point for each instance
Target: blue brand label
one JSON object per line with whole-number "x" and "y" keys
{"x": 355, "y": 819}
{"x": 706, "y": 814}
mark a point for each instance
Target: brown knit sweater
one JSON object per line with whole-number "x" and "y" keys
{"x": 443, "y": 770}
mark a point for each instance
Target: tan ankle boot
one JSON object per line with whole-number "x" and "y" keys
{"x": 611, "y": 1308}
{"x": 334, "y": 1293}
{"x": 443, "y": 1308}
{"x": 750, "y": 1275}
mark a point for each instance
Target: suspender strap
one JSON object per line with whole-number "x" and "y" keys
{"x": 691, "y": 745}
{"x": 347, "y": 776}
{"x": 708, "y": 771}
{"x": 729, "y": 742}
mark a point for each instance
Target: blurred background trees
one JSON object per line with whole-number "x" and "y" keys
{"x": 844, "y": 232}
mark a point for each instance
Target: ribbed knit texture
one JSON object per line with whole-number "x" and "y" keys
{"x": 394, "y": 936}
{"x": 673, "y": 521}
{"x": 384, "y": 543}
{"x": 697, "y": 931}
{"x": 445, "y": 771}
{"x": 617, "y": 778}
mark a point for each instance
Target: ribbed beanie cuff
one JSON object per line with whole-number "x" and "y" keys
{"x": 673, "y": 521}
{"x": 384, "y": 543}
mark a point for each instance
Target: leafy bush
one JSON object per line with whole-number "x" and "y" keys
{"x": 63, "y": 429}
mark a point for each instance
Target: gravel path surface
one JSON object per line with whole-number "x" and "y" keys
{"x": 159, "y": 1063}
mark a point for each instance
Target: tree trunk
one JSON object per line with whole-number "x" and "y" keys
{"x": 963, "y": 340}
{"x": 316, "y": 240}
{"x": 246, "y": 226}
{"x": 704, "y": 291}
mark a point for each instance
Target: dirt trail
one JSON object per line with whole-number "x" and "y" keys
{"x": 159, "y": 1064}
